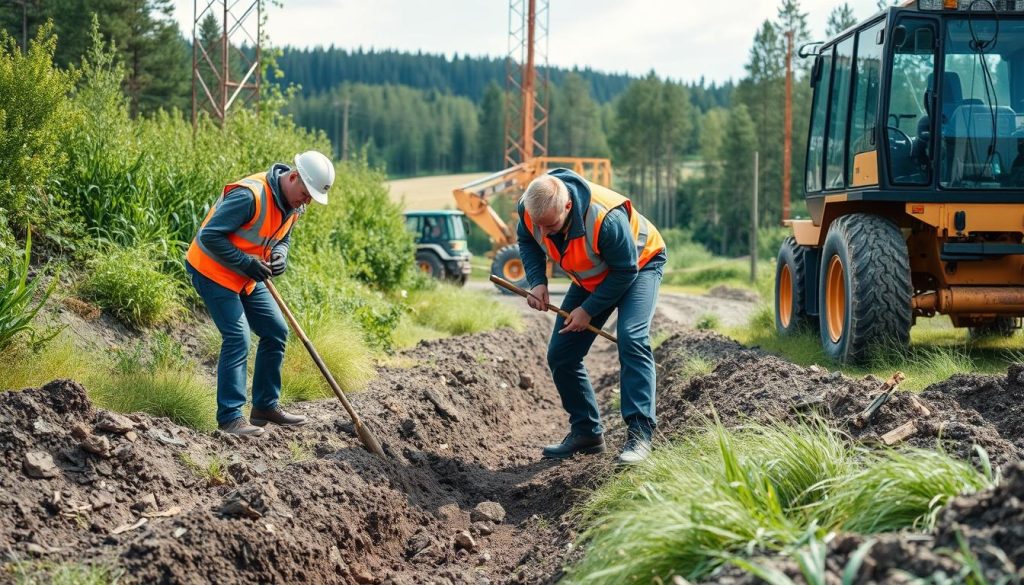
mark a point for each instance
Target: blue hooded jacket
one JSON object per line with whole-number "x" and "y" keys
{"x": 618, "y": 248}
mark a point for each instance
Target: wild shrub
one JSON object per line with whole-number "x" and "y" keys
{"x": 21, "y": 300}
{"x": 35, "y": 117}
{"x": 128, "y": 283}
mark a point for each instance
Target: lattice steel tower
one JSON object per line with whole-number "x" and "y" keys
{"x": 526, "y": 93}
{"x": 215, "y": 88}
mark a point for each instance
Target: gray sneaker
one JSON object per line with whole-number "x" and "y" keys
{"x": 636, "y": 449}
{"x": 240, "y": 427}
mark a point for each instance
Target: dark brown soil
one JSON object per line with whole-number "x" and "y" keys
{"x": 462, "y": 427}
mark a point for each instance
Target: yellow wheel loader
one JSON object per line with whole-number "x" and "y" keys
{"x": 914, "y": 179}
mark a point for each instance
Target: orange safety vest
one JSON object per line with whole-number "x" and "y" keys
{"x": 257, "y": 237}
{"x": 582, "y": 259}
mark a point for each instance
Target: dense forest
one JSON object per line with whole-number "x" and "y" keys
{"x": 683, "y": 150}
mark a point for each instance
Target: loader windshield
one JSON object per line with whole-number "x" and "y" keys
{"x": 980, "y": 105}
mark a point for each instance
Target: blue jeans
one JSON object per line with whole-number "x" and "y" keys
{"x": 235, "y": 314}
{"x": 637, "y": 377}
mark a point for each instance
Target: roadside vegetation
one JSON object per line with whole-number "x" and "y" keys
{"x": 733, "y": 493}
{"x": 937, "y": 351}
{"x": 113, "y": 199}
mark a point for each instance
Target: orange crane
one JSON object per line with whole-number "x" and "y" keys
{"x": 526, "y": 153}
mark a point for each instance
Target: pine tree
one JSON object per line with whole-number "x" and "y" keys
{"x": 840, "y": 19}
{"x": 491, "y": 135}
{"x": 738, "y": 147}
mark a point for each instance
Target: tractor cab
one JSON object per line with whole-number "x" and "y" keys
{"x": 914, "y": 178}
{"x": 441, "y": 247}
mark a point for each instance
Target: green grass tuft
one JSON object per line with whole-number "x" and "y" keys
{"x": 40, "y": 573}
{"x": 722, "y": 493}
{"x": 180, "y": 395}
{"x": 708, "y": 321}
{"x": 457, "y": 311}
{"x": 341, "y": 345}
{"x": 128, "y": 283}
{"x": 696, "y": 366}
{"x": 214, "y": 470}
{"x": 59, "y": 358}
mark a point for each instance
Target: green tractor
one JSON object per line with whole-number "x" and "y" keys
{"x": 441, "y": 248}
{"x": 915, "y": 179}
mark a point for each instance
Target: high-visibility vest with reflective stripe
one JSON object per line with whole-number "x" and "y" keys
{"x": 257, "y": 237}
{"x": 582, "y": 258}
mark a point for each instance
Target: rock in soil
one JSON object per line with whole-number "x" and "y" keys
{"x": 488, "y": 512}
{"x": 39, "y": 465}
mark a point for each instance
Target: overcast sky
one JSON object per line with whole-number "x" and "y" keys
{"x": 681, "y": 39}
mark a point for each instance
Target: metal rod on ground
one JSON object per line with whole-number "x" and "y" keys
{"x": 369, "y": 441}
{"x": 753, "y": 223}
{"x": 524, "y": 293}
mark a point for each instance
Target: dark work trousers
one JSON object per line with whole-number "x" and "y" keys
{"x": 637, "y": 378}
{"x": 235, "y": 314}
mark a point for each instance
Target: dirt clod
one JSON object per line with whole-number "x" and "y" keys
{"x": 39, "y": 465}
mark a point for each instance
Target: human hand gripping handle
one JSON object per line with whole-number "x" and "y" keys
{"x": 278, "y": 263}
{"x": 526, "y": 294}
{"x": 257, "y": 269}
{"x": 539, "y": 298}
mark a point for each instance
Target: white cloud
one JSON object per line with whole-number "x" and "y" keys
{"x": 683, "y": 40}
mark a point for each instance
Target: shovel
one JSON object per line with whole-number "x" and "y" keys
{"x": 525, "y": 293}
{"x": 369, "y": 441}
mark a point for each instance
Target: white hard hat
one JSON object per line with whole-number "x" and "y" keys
{"x": 317, "y": 173}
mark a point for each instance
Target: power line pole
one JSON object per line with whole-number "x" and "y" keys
{"x": 787, "y": 142}
{"x": 753, "y": 223}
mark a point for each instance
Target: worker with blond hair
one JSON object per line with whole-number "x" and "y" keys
{"x": 615, "y": 258}
{"x": 242, "y": 242}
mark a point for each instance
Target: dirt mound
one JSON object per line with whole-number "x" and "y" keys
{"x": 998, "y": 399}
{"x": 748, "y": 384}
{"x": 462, "y": 427}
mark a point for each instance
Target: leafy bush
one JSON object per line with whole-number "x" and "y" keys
{"x": 19, "y": 304}
{"x": 35, "y": 116}
{"x": 128, "y": 283}
{"x": 343, "y": 350}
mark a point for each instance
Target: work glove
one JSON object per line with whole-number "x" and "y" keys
{"x": 257, "y": 269}
{"x": 278, "y": 263}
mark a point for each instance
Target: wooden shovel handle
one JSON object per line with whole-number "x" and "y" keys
{"x": 526, "y": 294}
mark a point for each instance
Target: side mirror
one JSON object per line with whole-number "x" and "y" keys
{"x": 899, "y": 36}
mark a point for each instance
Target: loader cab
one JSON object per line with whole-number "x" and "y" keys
{"x": 441, "y": 247}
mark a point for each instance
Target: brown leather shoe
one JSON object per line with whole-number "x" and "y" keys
{"x": 241, "y": 428}
{"x": 277, "y": 416}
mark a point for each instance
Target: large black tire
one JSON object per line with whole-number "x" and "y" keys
{"x": 864, "y": 288}
{"x": 791, "y": 289}
{"x": 430, "y": 264}
{"x": 1000, "y": 327}
{"x": 509, "y": 265}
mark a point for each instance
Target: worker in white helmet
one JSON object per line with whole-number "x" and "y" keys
{"x": 242, "y": 242}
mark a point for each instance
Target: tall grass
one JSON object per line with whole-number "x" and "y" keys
{"x": 457, "y": 311}
{"x": 180, "y": 395}
{"x": 347, "y": 356}
{"x": 762, "y": 487}
{"x": 128, "y": 283}
{"x": 24, "y": 368}
{"x": 20, "y": 299}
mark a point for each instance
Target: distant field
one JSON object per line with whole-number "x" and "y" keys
{"x": 433, "y": 192}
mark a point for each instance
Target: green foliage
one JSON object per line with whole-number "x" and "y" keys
{"x": 128, "y": 283}
{"x": 34, "y": 119}
{"x": 25, "y": 368}
{"x": 708, "y": 321}
{"x": 180, "y": 395}
{"x": 48, "y": 573}
{"x": 343, "y": 350}
{"x": 21, "y": 300}
{"x": 728, "y": 493}
{"x": 457, "y": 311}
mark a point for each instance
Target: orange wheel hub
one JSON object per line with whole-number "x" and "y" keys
{"x": 513, "y": 270}
{"x": 785, "y": 296}
{"x": 835, "y": 299}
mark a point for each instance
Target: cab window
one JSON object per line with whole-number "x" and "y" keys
{"x": 838, "y": 115}
{"x": 908, "y": 126}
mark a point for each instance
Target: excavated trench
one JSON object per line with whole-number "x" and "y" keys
{"x": 462, "y": 498}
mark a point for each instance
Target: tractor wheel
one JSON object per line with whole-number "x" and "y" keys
{"x": 508, "y": 265}
{"x": 1000, "y": 327}
{"x": 428, "y": 263}
{"x": 864, "y": 288}
{"x": 790, "y": 289}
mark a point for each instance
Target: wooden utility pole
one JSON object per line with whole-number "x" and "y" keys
{"x": 753, "y": 223}
{"x": 787, "y": 141}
